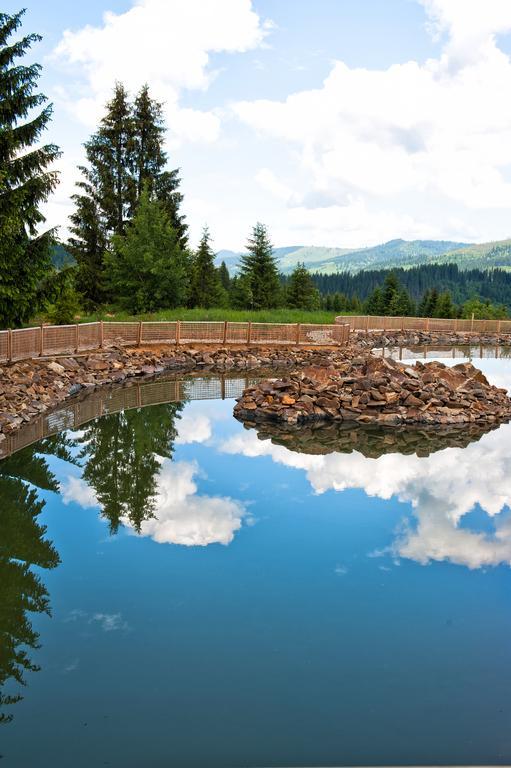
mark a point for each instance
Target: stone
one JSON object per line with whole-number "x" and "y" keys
{"x": 56, "y": 368}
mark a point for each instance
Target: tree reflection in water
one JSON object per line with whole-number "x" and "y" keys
{"x": 22, "y": 546}
{"x": 121, "y": 455}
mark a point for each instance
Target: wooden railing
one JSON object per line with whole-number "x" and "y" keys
{"x": 426, "y": 324}
{"x": 24, "y": 343}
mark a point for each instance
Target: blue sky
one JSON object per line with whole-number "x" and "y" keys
{"x": 337, "y": 123}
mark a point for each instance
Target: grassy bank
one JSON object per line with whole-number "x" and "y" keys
{"x": 232, "y": 315}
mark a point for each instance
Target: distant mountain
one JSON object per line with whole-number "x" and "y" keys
{"x": 60, "y": 257}
{"x": 395, "y": 253}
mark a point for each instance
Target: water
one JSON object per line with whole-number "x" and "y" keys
{"x": 218, "y": 599}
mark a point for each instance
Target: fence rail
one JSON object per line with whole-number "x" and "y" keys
{"x": 383, "y": 323}
{"x": 24, "y": 343}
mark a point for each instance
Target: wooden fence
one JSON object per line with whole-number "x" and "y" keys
{"x": 433, "y": 324}
{"x": 24, "y": 343}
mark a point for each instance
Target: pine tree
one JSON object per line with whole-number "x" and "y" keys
{"x": 25, "y": 181}
{"x": 225, "y": 278}
{"x": 259, "y": 268}
{"x": 150, "y": 159}
{"x": 301, "y": 291}
{"x": 373, "y": 305}
{"x": 148, "y": 269}
{"x": 390, "y": 291}
{"x": 88, "y": 242}
{"x": 123, "y": 156}
{"x": 444, "y": 306}
{"x": 205, "y": 287}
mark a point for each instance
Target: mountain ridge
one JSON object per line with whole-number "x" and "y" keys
{"x": 393, "y": 253}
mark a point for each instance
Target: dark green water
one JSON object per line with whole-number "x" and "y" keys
{"x": 177, "y": 590}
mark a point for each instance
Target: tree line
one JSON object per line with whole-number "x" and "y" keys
{"x": 129, "y": 238}
{"x": 391, "y": 298}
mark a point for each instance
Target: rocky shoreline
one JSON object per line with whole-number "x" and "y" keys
{"x": 30, "y": 388}
{"x": 428, "y": 338}
{"x": 373, "y": 390}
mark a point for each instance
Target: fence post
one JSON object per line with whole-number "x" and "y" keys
{"x": 367, "y": 324}
{"x": 9, "y": 345}
{"x": 178, "y": 332}
{"x": 498, "y": 326}
{"x": 77, "y": 345}
{"x": 402, "y": 324}
{"x": 298, "y": 333}
{"x": 472, "y": 323}
{"x": 139, "y": 334}
{"x": 249, "y": 332}
{"x": 427, "y": 324}
{"x": 101, "y": 334}
{"x": 41, "y": 340}
{"x": 455, "y": 324}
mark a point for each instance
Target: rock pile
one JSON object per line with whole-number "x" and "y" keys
{"x": 31, "y": 387}
{"x": 368, "y": 389}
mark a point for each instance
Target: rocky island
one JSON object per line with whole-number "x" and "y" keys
{"x": 374, "y": 390}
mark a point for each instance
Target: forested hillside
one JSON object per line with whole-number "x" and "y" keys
{"x": 493, "y": 284}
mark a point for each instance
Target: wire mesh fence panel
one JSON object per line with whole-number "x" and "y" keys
{"x": 201, "y": 389}
{"x": 4, "y": 346}
{"x": 235, "y": 387}
{"x": 25, "y": 342}
{"x": 58, "y": 421}
{"x": 89, "y": 336}
{"x": 273, "y": 333}
{"x": 236, "y": 333}
{"x": 157, "y": 392}
{"x": 505, "y": 326}
{"x": 121, "y": 333}
{"x": 313, "y": 334}
{"x": 202, "y": 332}
{"x": 154, "y": 332}
{"x": 58, "y": 338}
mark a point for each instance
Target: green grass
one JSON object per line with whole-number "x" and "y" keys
{"x": 232, "y": 315}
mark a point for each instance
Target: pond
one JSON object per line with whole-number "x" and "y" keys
{"x": 178, "y": 590}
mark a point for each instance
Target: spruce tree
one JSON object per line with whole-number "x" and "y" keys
{"x": 301, "y": 291}
{"x": 148, "y": 269}
{"x": 259, "y": 268}
{"x": 373, "y": 304}
{"x": 225, "y": 278}
{"x": 125, "y": 155}
{"x": 25, "y": 178}
{"x": 205, "y": 287}
{"x": 150, "y": 159}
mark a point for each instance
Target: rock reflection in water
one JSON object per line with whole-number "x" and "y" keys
{"x": 369, "y": 440}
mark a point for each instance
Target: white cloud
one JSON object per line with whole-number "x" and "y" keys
{"x": 184, "y": 517}
{"x": 167, "y": 43}
{"x": 194, "y": 427}
{"x": 109, "y": 622}
{"x": 442, "y": 489}
{"x": 414, "y": 150}
{"x": 74, "y": 489}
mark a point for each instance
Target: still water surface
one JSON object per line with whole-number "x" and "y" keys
{"x": 206, "y": 596}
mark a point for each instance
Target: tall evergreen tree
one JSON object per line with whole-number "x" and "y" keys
{"x": 25, "y": 178}
{"x": 205, "y": 287}
{"x": 150, "y": 159}
{"x": 125, "y": 155}
{"x": 259, "y": 268}
{"x": 225, "y": 278}
{"x": 148, "y": 269}
{"x": 301, "y": 291}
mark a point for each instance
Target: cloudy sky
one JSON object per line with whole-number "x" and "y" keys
{"x": 337, "y": 123}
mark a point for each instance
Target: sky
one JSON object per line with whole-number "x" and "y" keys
{"x": 336, "y": 123}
